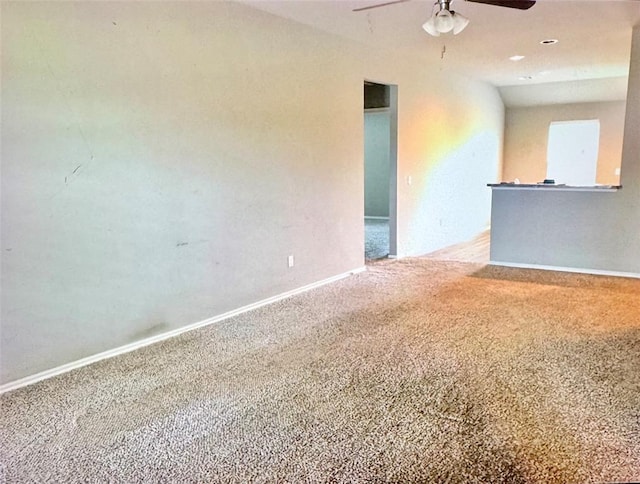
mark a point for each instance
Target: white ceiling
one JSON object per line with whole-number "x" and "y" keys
{"x": 594, "y": 41}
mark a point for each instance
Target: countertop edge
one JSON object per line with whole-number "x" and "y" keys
{"x": 553, "y": 187}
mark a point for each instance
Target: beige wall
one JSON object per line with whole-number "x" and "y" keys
{"x": 450, "y": 143}
{"x": 160, "y": 161}
{"x": 527, "y": 130}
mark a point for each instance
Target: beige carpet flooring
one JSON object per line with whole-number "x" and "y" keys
{"x": 414, "y": 371}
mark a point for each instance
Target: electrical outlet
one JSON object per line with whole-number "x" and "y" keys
{"x": 409, "y": 180}
{"x": 617, "y": 171}
{"x": 290, "y": 261}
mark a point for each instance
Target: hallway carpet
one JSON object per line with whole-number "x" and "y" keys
{"x": 414, "y": 371}
{"x": 376, "y": 238}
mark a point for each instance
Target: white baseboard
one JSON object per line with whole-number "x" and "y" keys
{"x": 367, "y": 217}
{"x": 578, "y": 270}
{"x": 43, "y": 375}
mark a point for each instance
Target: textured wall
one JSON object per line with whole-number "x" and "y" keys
{"x": 527, "y": 130}
{"x": 451, "y": 145}
{"x": 160, "y": 161}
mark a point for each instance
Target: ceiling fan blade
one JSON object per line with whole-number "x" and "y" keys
{"x": 379, "y": 5}
{"x": 519, "y": 4}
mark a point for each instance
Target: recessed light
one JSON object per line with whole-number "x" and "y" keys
{"x": 549, "y": 41}
{"x": 516, "y": 58}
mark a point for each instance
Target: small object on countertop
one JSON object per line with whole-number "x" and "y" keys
{"x": 547, "y": 181}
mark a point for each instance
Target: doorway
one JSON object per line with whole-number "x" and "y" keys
{"x": 380, "y": 170}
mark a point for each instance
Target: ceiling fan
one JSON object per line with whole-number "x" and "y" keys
{"x": 446, "y": 20}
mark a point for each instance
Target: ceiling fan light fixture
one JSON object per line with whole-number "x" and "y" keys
{"x": 460, "y": 22}
{"x": 430, "y": 27}
{"x": 444, "y": 21}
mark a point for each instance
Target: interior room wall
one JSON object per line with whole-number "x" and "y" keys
{"x": 450, "y": 145}
{"x": 581, "y": 230}
{"x": 527, "y": 130}
{"x": 161, "y": 161}
{"x": 376, "y": 162}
